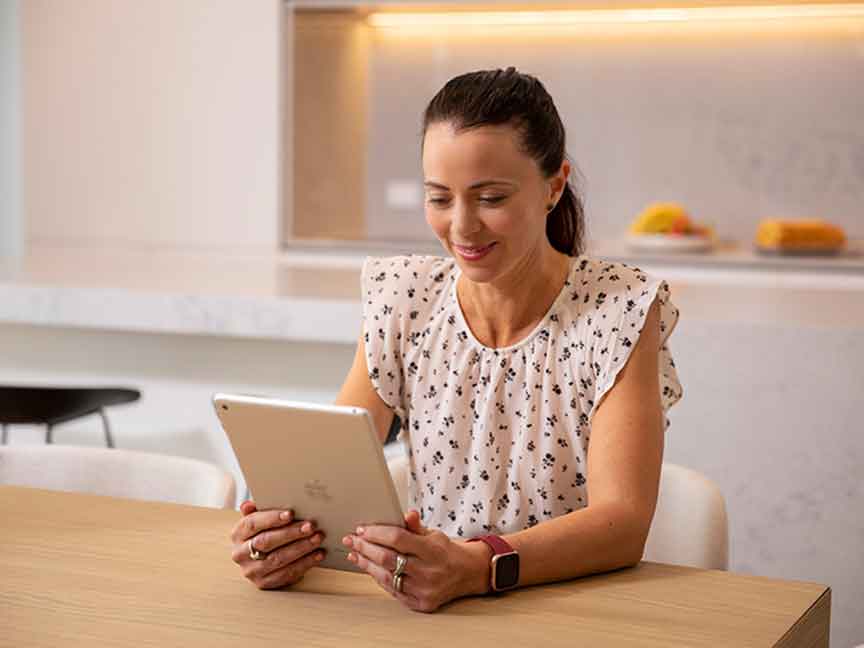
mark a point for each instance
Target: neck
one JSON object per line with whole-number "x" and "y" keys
{"x": 502, "y": 312}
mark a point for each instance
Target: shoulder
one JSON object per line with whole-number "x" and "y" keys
{"x": 599, "y": 285}
{"x": 414, "y": 283}
{"x": 599, "y": 275}
{"x": 406, "y": 270}
{"x": 605, "y": 294}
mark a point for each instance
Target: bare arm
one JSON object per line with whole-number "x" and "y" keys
{"x": 357, "y": 391}
{"x": 624, "y": 460}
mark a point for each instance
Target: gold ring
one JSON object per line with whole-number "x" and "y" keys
{"x": 401, "y": 563}
{"x": 254, "y": 554}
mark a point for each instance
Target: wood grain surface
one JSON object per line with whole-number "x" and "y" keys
{"x": 82, "y": 570}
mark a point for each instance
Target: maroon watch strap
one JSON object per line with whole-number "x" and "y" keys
{"x": 498, "y": 544}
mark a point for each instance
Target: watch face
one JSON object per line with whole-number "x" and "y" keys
{"x": 506, "y": 571}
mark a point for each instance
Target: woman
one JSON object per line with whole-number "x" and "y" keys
{"x": 529, "y": 379}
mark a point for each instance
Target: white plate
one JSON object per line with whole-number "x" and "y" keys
{"x": 667, "y": 243}
{"x": 801, "y": 252}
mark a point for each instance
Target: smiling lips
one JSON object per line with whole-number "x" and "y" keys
{"x": 473, "y": 252}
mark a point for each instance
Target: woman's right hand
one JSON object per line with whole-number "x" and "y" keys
{"x": 291, "y": 548}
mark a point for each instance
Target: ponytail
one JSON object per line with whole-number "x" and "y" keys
{"x": 565, "y": 224}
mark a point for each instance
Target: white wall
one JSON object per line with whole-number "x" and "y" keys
{"x": 11, "y": 237}
{"x": 738, "y": 125}
{"x": 152, "y": 123}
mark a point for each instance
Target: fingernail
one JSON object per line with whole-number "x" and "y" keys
{"x": 351, "y": 556}
{"x": 306, "y": 528}
{"x": 360, "y": 530}
{"x": 316, "y": 539}
{"x": 346, "y": 541}
{"x": 319, "y": 557}
{"x": 285, "y": 515}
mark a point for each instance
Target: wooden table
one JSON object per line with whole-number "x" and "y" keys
{"x": 80, "y": 570}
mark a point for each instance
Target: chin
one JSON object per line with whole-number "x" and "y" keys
{"x": 477, "y": 272}
{"x": 478, "y": 275}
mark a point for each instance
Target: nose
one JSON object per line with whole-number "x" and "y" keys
{"x": 464, "y": 222}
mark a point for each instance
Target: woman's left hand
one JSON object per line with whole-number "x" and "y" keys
{"x": 438, "y": 570}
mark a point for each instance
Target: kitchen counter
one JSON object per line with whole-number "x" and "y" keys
{"x": 180, "y": 292}
{"x": 733, "y": 255}
{"x": 305, "y": 297}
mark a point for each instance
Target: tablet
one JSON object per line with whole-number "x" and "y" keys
{"x": 324, "y": 462}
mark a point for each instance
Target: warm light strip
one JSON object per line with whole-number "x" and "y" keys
{"x": 614, "y": 16}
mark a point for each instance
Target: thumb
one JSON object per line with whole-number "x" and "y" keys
{"x": 248, "y": 507}
{"x": 412, "y": 522}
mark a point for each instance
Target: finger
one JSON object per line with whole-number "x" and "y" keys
{"x": 408, "y": 601}
{"x": 382, "y": 556}
{"x": 291, "y": 573}
{"x": 401, "y": 540}
{"x": 412, "y": 522}
{"x": 270, "y": 542}
{"x": 286, "y": 555}
{"x": 277, "y": 559}
{"x": 248, "y": 507}
{"x": 254, "y": 523}
{"x": 384, "y": 578}
{"x": 272, "y": 539}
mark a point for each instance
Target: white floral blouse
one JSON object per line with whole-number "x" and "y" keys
{"x": 498, "y": 438}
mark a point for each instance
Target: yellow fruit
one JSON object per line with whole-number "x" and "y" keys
{"x": 661, "y": 218}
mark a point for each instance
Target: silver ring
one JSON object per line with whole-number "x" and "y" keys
{"x": 397, "y": 582}
{"x": 254, "y": 554}
{"x": 401, "y": 563}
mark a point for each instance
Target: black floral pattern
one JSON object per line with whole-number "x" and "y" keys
{"x": 498, "y": 438}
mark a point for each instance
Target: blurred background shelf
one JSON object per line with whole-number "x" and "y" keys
{"x": 744, "y": 256}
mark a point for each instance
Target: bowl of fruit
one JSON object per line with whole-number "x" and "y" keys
{"x": 667, "y": 227}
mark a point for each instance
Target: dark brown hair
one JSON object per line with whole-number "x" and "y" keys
{"x": 493, "y": 97}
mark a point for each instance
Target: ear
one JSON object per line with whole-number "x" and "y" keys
{"x": 558, "y": 181}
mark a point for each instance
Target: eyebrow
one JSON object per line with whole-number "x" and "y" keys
{"x": 476, "y": 185}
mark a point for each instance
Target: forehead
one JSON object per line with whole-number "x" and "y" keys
{"x": 469, "y": 154}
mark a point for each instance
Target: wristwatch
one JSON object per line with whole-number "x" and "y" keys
{"x": 504, "y": 572}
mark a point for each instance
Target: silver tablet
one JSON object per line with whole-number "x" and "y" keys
{"x": 324, "y": 462}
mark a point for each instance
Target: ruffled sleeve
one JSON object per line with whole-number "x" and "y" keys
{"x": 623, "y": 297}
{"x": 382, "y": 332}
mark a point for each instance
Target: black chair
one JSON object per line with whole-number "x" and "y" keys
{"x": 51, "y": 406}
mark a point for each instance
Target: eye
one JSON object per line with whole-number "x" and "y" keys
{"x": 438, "y": 201}
{"x": 492, "y": 200}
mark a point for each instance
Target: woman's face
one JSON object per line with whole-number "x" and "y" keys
{"x": 486, "y": 200}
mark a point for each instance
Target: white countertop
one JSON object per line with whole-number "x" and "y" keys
{"x": 737, "y": 256}
{"x": 181, "y": 292}
{"x": 316, "y": 298}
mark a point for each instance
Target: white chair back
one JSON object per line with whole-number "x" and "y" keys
{"x": 690, "y": 526}
{"x": 118, "y": 473}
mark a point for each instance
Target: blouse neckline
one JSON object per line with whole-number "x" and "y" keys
{"x": 543, "y": 323}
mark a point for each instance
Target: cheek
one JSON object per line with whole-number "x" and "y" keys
{"x": 510, "y": 223}
{"x": 438, "y": 222}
